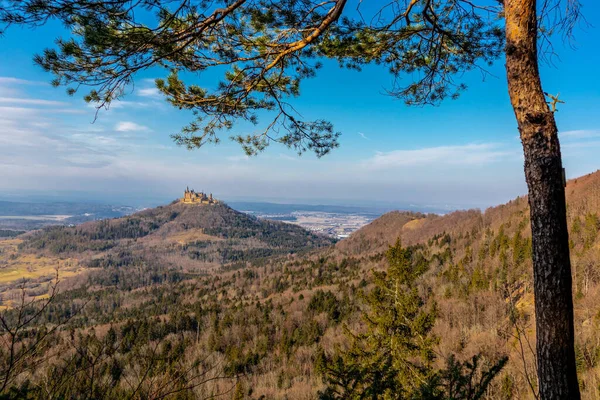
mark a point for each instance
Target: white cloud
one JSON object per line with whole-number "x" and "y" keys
{"x": 120, "y": 104}
{"x": 16, "y": 112}
{"x": 287, "y": 157}
{"x": 16, "y": 81}
{"x": 235, "y": 159}
{"x": 580, "y": 134}
{"x": 470, "y": 154}
{"x": 128, "y": 126}
{"x": 581, "y": 145}
{"x": 39, "y": 102}
{"x": 87, "y": 161}
{"x": 149, "y": 92}
{"x": 362, "y": 135}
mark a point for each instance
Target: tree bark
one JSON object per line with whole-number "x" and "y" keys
{"x": 557, "y": 375}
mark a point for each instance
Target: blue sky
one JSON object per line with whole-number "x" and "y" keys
{"x": 464, "y": 153}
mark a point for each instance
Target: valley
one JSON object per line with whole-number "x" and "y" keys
{"x": 281, "y": 200}
{"x": 261, "y": 302}
{"x": 17, "y": 216}
{"x": 335, "y": 225}
{"x": 334, "y": 221}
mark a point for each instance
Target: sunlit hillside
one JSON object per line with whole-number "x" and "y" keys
{"x": 205, "y": 291}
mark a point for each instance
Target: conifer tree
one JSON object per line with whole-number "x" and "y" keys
{"x": 394, "y": 358}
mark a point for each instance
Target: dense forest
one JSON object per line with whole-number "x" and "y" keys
{"x": 175, "y": 234}
{"x": 200, "y": 302}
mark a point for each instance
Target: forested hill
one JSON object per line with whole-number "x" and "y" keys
{"x": 583, "y": 198}
{"x": 480, "y": 277}
{"x": 182, "y": 234}
{"x": 190, "y": 291}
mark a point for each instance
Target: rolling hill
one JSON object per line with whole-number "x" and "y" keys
{"x": 480, "y": 275}
{"x": 19, "y": 216}
{"x": 177, "y": 235}
{"x": 258, "y": 302}
{"x": 583, "y": 197}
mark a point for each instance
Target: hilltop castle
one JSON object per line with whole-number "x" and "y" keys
{"x": 191, "y": 197}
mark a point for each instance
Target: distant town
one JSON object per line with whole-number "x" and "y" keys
{"x": 333, "y": 224}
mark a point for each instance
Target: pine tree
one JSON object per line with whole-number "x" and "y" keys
{"x": 394, "y": 358}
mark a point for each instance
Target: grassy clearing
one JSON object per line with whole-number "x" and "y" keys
{"x": 192, "y": 235}
{"x": 15, "y": 266}
{"x": 414, "y": 224}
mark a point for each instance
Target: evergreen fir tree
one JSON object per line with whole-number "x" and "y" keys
{"x": 394, "y": 358}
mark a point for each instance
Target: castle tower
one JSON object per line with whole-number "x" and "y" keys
{"x": 193, "y": 197}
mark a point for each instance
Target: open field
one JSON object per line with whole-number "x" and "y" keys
{"x": 193, "y": 235}
{"x": 32, "y": 272}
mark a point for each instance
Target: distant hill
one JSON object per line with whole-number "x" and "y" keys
{"x": 62, "y": 208}
{"x": 34, "y": 215}
{"x": 376, "y": 236}
{"x": 583, "y": 197}
{"x": 370, "y": 209}
{"x": 179, "y": 235}
{"x": 481, "y": 278}
{"x": 264, "y": 300}
{"x": 277, "y": 208}
{"x": 411, "y": 228}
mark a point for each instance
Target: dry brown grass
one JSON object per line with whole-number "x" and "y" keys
{"x": 15, "y": 265}
{"x": 193, "y": 235}
{"x": 31, "y": 272}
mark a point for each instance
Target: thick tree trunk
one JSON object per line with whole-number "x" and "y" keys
{"x": 557, "y": 375}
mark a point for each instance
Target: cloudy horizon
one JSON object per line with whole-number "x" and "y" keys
{"x": 465, "y": 153}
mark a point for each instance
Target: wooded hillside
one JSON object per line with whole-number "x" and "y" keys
{"x": 263, "y": 312}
